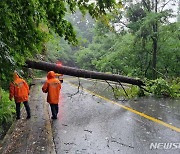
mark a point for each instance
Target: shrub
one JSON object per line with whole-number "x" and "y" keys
{"x": 7, "y": 109}
{"x": 161, "y": 87}
{"x": 175, "y": 87}
{"x": 132, "y": 91}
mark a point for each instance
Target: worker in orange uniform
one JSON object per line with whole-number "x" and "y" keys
{"x": 52, "y": 87}
{"x": 60, "y": 77}
{"x": 19, "y": 90}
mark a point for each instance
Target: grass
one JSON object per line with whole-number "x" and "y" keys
{"x": 7, "y": 112}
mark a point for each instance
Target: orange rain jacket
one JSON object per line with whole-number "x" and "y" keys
{"x": 18, "y": 89}
{"x": 52, "y": 86}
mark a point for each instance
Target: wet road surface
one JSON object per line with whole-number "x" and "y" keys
{"x": 90, "y": 122}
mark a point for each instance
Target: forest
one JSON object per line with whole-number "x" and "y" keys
{"x": 139, "y": 39}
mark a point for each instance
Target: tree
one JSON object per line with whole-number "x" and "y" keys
{"x": 145, "y": 20}
{"x": 82, "y": 73}
{"x": 57, "y": 49}
{"x": 169, "y": 49}
{"x": 26, "y": 24}
{"x": 130, "y": 51}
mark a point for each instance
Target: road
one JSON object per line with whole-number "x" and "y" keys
{"x": 90, "y": 121}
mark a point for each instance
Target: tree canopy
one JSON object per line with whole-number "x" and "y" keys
{"x": 147, "y": 37}
{"x": 26, "y": 24}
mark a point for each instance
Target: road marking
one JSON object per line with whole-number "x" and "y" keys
{"x": 132, "y": 110}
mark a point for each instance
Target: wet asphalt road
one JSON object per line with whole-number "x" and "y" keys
{"x": 89, "y": 124}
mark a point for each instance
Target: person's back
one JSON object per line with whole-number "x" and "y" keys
{"x": 19, "y": 90}
{"x": 52, "y": 87}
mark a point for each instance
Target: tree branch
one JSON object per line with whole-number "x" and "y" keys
{"x": 123, "y": 89}
{"x": 162, "y": 7}
{"x": 160, "y": 73}
{"x": 146, "y": 5}
{"x": 79, "y": 85}
{"x": 114, "y": 93}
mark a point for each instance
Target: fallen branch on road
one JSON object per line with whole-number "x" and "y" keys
{"x": 79, "y": 86}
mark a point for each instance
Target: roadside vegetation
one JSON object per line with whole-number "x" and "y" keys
{"x": 7, "y": 112}
{"x": 157, "y": 88}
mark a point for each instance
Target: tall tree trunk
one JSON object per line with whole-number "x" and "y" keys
{"x": 154, "y": 58}
{"x": 155, "y": 43}
{"x": 0, "y": 93}
{"x": 82, "y": 73}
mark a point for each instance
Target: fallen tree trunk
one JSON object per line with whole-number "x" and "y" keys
{"x": 82, "y": 73}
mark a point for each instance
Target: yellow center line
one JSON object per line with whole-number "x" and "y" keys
{"x": 132, "y": 110}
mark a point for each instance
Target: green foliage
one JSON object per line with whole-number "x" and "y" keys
{"x": 145, "y": 21}
{"x": 161, "y": 87}
{"x": 85, "y": 58}
{"x": 169, "y": 51}
{"x": 135, "y": 13}
{"x": 7, "y": 109}
{"x": 131, "y": 92}
{"x": 59, "y": 50}
{"x": 25, "y": 26}
{"x": 175, "y": 87}
{"x": 39, "y": 73}
{"x": 130, "y": 51}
